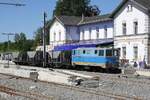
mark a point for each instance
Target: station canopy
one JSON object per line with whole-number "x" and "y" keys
{"x": 83, "y": 44}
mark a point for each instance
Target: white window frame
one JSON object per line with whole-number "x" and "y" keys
{"x": 135, "y": 52}
{"x": 124, "y": 28}
{"x": 97, "y": 32}
{"x": 83, "y": 36}
{"x": 124, "y": 52}
{"x": 135, "y": 27}
{"x": 54, "y": 36}
{"x": 59, "y": 35}
{"x": 130, "y": 8}
{"x": 90, "y": 33}
{"x": 105, "y": 31}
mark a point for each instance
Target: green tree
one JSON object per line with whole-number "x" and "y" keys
{"x": 20, "y": 39}
{"x": 28, "y": 45}
{"x": 3, "y": 47}
{"x": 21, "y": 42}
{"x": 38, "y": 37}
{"x": 75, "y": 8}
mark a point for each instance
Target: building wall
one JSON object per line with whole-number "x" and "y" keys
{"x": 130, "y": 40}
{"x": 60, "y": 34}
{"x": 56, "y": 29}
{"x": 85, "y": 29}
{"x": 129, "y": 17}
{"x": 72, "y": 33}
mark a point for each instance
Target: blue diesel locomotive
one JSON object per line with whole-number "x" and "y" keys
{"x": 104, "y": 58}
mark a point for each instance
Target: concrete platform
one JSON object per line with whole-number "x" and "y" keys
{"x": 76, "y": 74}
{"x": 143, "y": 72}
{"x": 43, "y": 74}
{"x": 25, "y": 71}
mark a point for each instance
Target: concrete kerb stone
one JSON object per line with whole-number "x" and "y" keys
{"x": 54, "y": 77}
{"x": 49, "y": 76}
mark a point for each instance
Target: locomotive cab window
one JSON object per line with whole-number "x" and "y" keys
{"x": 101, "y": 52}
{"x": 74, "y": 52}
{"x": 88, "y": 51}
{"x": 109, "y": 53}
{"x": 83, "y": 51}
{"x": 79, "y": 52}
{"x": 95, "y": 51}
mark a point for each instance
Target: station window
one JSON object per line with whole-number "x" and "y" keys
{"x": 116, "y": 53}
{"x": 135, "y": 50}
{"x": 135, "y": 27}
{"x": 124, "y": 52}
{"x": 129, "y": 8}
{"x": 54, "y": 36}
{"x": 95, "y": 51}
{"x": 90, "y": 33}
{"x": 105, "y": 31}
{"x": 83, "y": 35}
{"x": 97, "y": 32}
{"x": 124, "y": 30}
{"x": 60, "y": 36}
{"x": 109, "y": 53}
{"x": 101, "y": 52}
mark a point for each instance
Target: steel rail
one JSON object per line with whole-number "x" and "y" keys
{"x": 85, "y": 90}
{"x": 29, "y": 95}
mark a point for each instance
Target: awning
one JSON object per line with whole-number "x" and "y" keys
{"x": 85, "y": 44}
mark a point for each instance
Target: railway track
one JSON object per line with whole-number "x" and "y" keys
{"x": 105, "y": 94}
{"x": 29, "y": 95}
{"x": 72, "y": 88}
{"x": 122, "y": 78}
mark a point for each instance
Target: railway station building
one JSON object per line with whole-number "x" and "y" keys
{"x": 132, "y": 30}
{"x": 70, "y": 32}
{"x": 127, "y": 28}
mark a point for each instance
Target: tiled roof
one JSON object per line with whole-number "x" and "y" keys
{"x": 144, "y": 3}
{"x": 73, "y": 20}
{"x": 69, "y": 20}
{"x": 94, "y": 19}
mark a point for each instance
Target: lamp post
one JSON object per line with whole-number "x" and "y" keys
{"x": 8, "y": 34}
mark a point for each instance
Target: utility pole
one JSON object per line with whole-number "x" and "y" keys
{"x": 8, "y": 53}
{"x": 44, "y": 41}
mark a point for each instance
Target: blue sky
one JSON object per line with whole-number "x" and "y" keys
{"x": 28, "y": 18}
